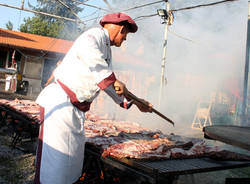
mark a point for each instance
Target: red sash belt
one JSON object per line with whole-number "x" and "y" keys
{"x": 82, "y": 106}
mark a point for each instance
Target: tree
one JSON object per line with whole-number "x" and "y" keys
{"x": 57, "y": 8}
{"x": 9, "y": 25}
{"x": 50, "y": 26}
{"x": 37, "y": 25}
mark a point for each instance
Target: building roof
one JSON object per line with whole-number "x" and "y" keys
{"x": 14, "y": 39}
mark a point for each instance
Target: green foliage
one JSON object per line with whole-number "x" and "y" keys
{"x": 9, "y": 25}
{"x": 50, "y": 26}
{"x": 57, "y": 8}
{"x": 37, "y": 25}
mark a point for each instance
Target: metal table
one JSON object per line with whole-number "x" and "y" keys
{"x": 233, "y": 135}
{"x": 19, "y": 126}
{"x": 162, "y": 171}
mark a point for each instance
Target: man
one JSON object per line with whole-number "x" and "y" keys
{"x": 85, "y": 70}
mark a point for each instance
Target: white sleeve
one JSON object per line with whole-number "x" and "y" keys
{"x": 123, "y": 102}
{"x": 93, "y": 52}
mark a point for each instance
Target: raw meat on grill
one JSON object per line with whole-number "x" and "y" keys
{"x": 21, "y": 118}
{"x": 139, "y": 148}
{"x": 26, "y": 108}
{"x": 122, "y": 139}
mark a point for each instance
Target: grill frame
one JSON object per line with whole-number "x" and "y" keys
{"x": 160, "y": 171}
{"x": 229, "y": 134}
{"x": 27, "y": 128}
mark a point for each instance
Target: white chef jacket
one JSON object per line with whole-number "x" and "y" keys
{"x": 87, "y": 64}
{"x": 85, "y": 70}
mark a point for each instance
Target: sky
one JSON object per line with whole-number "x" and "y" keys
{"x": 16, "y": 16}
{"x": 205, "y": 56}
{"x": 205, "y": 52}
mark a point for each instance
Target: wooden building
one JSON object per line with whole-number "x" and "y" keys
{"x": 28, "y": 57}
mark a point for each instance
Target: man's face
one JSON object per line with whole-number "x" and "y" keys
{"x": 121, "y": 36}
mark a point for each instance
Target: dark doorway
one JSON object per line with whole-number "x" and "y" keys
{"x": 48, "y": 68}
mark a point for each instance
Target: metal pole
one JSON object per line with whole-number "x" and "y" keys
{"x": 62, "y": 3}
{"x": 163, "y": 63}
{"x": 246, "y": 76}
{"x": 109, "y": 6}
{"x": 22, "y": 6}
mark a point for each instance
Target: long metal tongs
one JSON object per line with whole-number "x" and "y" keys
{"x": 135, "y": 98}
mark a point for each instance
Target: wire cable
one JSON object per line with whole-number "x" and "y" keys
{"x": 202, "y": 5}
{"x": 109, "y": 6}
{"x": 93, "y": 18}
{"x": 182, "y": 37}
{"x": 93, "y": 6}
{"x": 145, "y": 16}
{"x": 91, "y": 14}
{"x": 140, "y": 6}
{"x": 19, "y": 18}
{"x": 70, "y": 9}
{"x": 188, "y": 8}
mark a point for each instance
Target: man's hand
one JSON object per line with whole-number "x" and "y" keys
{"x": 120, "y": 88}
{"x": 142, "y": 107}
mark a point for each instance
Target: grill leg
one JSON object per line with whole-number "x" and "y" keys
{"x": 156, "y": 176}
{"x": 172, "y": 179}
{"x": 93, "y": 171}
{"x": 3, "y": 116}
{"x": 102, "y": 170}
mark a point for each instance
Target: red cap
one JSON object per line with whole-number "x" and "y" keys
{"x": 116, "y": 18}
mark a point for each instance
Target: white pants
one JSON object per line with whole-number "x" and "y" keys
{"x": 60, "y": 150}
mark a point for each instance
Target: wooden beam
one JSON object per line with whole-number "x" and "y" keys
{"x": 43, "y": 13}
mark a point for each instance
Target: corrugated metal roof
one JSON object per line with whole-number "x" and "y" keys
{"x": 10, "y": 38}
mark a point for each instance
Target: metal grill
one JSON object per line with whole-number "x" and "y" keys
{"x": 26, "y": 128}
{"x": 189, "y": 166}
{"x": 158, "y": 171}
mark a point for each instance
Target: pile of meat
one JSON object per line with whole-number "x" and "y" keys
{"x": 26, "y": 108}
{"x": 122, "y": 139}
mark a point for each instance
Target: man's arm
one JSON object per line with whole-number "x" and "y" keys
{"x": 121, "y": 89}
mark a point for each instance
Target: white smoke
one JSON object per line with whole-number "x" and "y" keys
{"x": 205, "y": 47}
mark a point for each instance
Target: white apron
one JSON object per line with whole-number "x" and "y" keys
{"x": 60, "y": 152}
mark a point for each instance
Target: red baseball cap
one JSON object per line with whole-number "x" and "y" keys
{"x": 116, "y": 18}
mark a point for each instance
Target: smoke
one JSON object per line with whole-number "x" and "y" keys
{"x": 205, "y": 47}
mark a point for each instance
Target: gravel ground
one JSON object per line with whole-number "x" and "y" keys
{"x": 16, "y": 167}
